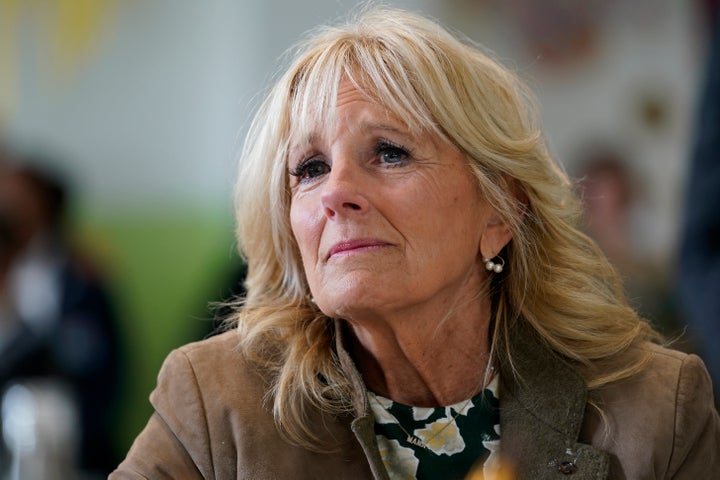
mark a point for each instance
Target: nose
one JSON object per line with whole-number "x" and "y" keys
{"x": 344, "y": 192}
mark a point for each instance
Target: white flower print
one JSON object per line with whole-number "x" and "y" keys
{"x": 493, "y": 386}
{"x": 401, "y": 461}
{"x": 442, "y": 437}
{"x": 491, "y": 467}
{"x": 422, "y": 413}
{"x": 462, "y": 408}
{"x": 379, "y": 406}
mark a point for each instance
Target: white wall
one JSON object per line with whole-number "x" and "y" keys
{"x": 153, "y": 119}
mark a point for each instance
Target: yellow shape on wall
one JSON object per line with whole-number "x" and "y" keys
{"x": 55, "y": 38}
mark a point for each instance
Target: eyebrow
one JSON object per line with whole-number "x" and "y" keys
{"x": 365, "y": 127}
{"x": 298, "y": 142}
{"x": 402, "y": 131}
{"x": 370, "y": 126}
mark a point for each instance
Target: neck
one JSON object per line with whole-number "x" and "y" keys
{"x": 425, "y": 360}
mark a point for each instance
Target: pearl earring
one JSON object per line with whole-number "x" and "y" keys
{"x": 494, "y": 266}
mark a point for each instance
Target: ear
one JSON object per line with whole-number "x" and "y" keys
{"x": 497, "y": 234}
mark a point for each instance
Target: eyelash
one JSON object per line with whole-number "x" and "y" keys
{"x": 302, "y": 168}
{"x": 383, "y": 146}
{"x": 386, "y": 146}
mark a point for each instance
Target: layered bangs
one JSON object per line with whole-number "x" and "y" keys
{"x": 374, "y": 68}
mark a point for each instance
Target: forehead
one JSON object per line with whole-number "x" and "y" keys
{"x": 324, "y": 81}
{"x": 355, "y": 110}
{"x": 353, "y": 107}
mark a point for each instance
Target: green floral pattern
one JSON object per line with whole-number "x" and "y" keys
{"x": 454, "y": 447}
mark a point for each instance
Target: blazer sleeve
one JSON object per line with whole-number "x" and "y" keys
{"x": 175, "y": 442}
{"x": 696, "y": 443}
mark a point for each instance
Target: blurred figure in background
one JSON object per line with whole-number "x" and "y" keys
{"x": 610, "y": 190}
{"x": 699, "y": 260}
{"x": 56, "y": 317}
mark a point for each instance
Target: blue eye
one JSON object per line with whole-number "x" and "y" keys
{"x": 391, "y": 154}
{"x": 310, "y": 169}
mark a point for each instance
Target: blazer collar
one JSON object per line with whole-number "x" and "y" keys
{"x": 542, "y": 406}
{"x": 363, "y": 425}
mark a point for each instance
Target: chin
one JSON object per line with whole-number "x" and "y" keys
{"x": 350, "y": 306}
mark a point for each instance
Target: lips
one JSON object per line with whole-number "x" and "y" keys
{"x": 358, "y": 245}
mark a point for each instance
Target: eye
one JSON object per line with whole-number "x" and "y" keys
{"x": 309, "y": 169}
{"x": 391, "y": 154}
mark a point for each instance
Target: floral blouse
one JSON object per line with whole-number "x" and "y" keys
{"x": 446, "y": 442}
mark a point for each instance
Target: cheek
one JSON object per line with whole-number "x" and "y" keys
{"x": 306, "y": 229}
{"x": 464, "y": 215}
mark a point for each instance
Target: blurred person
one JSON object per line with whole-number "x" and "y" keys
{"x": 608, "y": 194}
{"x": 57, "y": 321}
{"x": 420, "y": 302}
{"x": 610, "y": 191}
{"x": 699, "y": 257}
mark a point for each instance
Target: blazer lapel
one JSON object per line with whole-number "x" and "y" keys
{"x": 541, "y": 414}
{"x": 363, "y": 426}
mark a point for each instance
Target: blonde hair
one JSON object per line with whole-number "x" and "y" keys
{"x": 557, "y": 281}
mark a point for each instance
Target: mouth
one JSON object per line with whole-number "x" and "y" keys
{"x": 355, "y": 246}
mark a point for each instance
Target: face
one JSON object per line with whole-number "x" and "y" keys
{"x": 386, "y": 221}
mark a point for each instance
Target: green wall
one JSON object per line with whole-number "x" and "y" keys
{"x": 164, "y": 269}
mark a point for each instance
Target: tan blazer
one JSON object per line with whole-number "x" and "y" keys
{"x": 210, "y": 422}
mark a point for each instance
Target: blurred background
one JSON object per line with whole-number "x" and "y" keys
{"x": 134, "y": 111}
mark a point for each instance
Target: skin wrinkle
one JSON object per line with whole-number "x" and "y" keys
{"x": 403, "y": 297}
{"x": 302, "y": 149}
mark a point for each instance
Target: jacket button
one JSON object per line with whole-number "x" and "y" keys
{"x": 567, "y": 467}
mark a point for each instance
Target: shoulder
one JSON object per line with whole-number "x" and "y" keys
{"x": 210, "y": 410}
{"x": 210, "y": 352}
{"x": 215, "y": 369}
{"x": 662, "y": 419}
{"x": 668, "y": 377}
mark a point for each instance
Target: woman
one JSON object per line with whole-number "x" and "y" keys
{"x": 420, "y": 303}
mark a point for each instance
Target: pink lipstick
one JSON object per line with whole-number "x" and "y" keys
{"x": 357, "y": 245}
